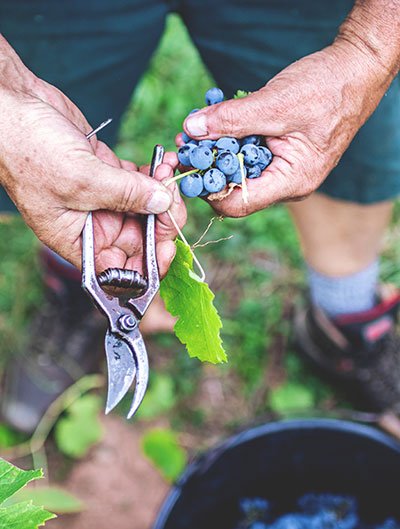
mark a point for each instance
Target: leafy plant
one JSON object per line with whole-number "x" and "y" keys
{"x": 161, "y": 446}
{"x": 52, "y": 498}
{"x": 159, "y": 398}
{"x": 23, "y": 515}
{"x": 80, "y": 429}
{"x": 191, "y": 300}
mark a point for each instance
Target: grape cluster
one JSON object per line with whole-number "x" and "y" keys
{"x": 316, "y": 511}
{"x": 216, "y": 163}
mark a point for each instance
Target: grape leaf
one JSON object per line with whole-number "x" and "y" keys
{"x": 161, "y": 446}
{"x": 291, "y": 396}
{"x": 52, "y": 498}
{"x": 21, "y": 515}
{"x": 76, "y": 433}
{"x": 191, "y": 300}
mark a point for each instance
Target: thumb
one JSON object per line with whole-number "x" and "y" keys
{"x": 252, "y": 114}
{"x": 117, "y": 189}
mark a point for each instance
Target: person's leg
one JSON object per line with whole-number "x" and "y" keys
{"x": 95, "y": 52}
{"x": 340, "y": 238}
{"x": 244, "y": 44}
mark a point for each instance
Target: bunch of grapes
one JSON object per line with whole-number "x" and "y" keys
{"x": 217, "y": 163}
{"x": 315, "y": 511}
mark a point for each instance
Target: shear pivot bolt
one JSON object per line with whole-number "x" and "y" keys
{"x": 127, "y": 322}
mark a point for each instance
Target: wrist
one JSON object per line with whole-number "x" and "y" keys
{"x": 372, "y": 30}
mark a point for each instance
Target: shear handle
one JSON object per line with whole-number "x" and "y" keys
{"x": 141, "y": 303}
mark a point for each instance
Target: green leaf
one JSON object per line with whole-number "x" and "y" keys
{"x": 21, "y": 515}
{"x": 76, "y": 433}
{"x": 159, "y": 398}
{"x": 13, "y": 479}
{"x": 291, "y": 396}
{"x": 240, "y": 94}
{"x": 52, "y": 498}
{"x": 191, "y": 300}
{"x": 161, "y": 446}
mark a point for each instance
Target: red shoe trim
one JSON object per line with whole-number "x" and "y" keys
{"x": 369, "y": 315}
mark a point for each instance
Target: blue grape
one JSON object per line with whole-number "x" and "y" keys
{"x": 227, "y": 162}
{"x": 237, "y": 177}
{"x": 390, "y": 523}
{"x": 214, "y": 180}
{"x": 249, "y": 505}
{"x": 228, "y": 144}
{"x": 251, "y": 154}
{"x": 254, "y": 172}
{"x": 214, "y": 95}
{"x": 201, "y": 157}
{"x": 258, "y": 525}
{"x": 208, "y": 143}
{"x": 193, "y": 111}
{"x": 192, "y": 185}
{"x": 265, "y": 157}
{"x": 184, "y": 153}
{"x": 291, "y": 521}
{"x": 255, "y": 140}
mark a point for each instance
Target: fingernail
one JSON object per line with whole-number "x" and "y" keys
{"x": 196, "y": 124}
{"x": 159, "y": 202}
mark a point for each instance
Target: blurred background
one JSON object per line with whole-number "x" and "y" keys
{"x": 98, "y": 467}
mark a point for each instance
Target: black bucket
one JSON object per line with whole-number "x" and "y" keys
{"x": 280, "y": 462}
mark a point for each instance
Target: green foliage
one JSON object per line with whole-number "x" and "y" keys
{"x": 20, "y": 291}
{"x": 80, "y": 429}
{"x": 160, "y": 397}
{"x": 161, "y": 446}
{"x": 53, "y": 499}
{"x": 22, "y": 515}
{"x": 240, "y": 94}
{"x": 169, "y": 90}
{"x": 191, "y": 300}
{"x": 291, "y": 396}
{"x": 9, "y": 437}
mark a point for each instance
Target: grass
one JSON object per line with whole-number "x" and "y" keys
{"x": 257, "y": 275}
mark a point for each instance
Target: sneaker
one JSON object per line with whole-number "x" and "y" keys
{"x": 63, "y": 345}
{"x": 360, "y": 351}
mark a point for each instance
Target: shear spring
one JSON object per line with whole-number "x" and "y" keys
{"x": 119, "y": 277}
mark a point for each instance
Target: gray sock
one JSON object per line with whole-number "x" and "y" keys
{"x": 344, "y": 295}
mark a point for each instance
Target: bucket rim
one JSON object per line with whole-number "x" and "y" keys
{"x": 204, "y": 460}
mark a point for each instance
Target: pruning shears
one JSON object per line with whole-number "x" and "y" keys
{"x": 124, "y": 346}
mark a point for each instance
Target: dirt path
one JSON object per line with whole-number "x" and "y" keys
{"x": 118, "y": 485}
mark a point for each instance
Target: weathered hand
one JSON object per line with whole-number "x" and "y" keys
{"x": 55, "y": 175}
{"x": 308, "y": 113}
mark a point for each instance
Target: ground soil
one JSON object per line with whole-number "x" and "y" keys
{"x": 118, "y": 485}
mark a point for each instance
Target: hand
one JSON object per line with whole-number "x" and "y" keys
{"x": 308, "y": 114}
{"x": 55, "y": 175}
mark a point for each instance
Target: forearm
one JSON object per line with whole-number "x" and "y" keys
{"x": 373, "y": 28}
{"x": 14, "y": 75}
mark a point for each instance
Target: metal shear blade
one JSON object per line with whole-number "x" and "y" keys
{"x": 125, "y": 349}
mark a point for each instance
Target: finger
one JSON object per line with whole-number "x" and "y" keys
{"x": 253, "y": 114}
{"x": 99, "y": 185}
{"x": 106, "y": 154}
{"x": 165, "y": 228}
{"x": 273, "y": 186}
{"x": 165, "y": 255}
{"x": 129, "y": 166}
{"x": 171, "y": 158}
{"x": 179, "y": 140}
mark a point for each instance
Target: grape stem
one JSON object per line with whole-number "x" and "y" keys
{"x": 245, "y": 192}
{"x": 200, "y": 269}
{"x": 179, "y": 176}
